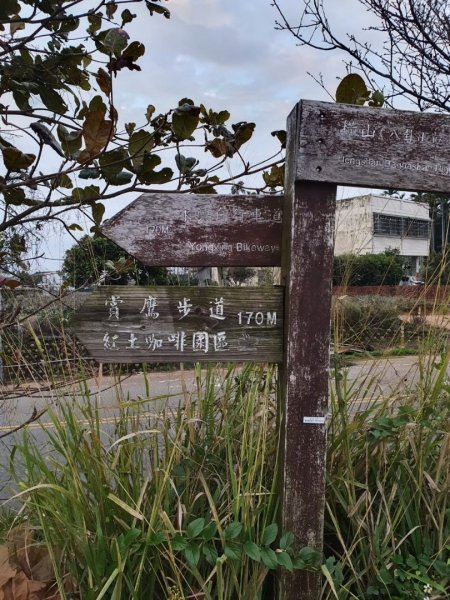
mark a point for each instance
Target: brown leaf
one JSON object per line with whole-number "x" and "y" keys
{"x": 97, "y": 131}
{"x": 104, "y": 81}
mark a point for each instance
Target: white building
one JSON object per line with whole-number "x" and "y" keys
{"x": 372, "y": 224}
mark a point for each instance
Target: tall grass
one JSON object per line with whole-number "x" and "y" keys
{"x": 179, "y": 504}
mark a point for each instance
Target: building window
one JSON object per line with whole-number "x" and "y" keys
{"x": 416, "y": 228}
{"x": 387, "y": 225}
{"x": 391, "y": 226}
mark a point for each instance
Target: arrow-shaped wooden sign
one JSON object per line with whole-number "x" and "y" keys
{"x": 201, "y": 230}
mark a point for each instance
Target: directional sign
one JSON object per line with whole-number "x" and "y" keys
{"x": 202, "y": 230}
{"x": 127, "y": 324}
{"x": 358, "y": 145}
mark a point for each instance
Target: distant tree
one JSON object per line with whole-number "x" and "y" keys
{"x": 368, "y": 269}
{"x": 412, "y": 58}
{"x": 98, "y": 259}
{"x": 437, "y": 267}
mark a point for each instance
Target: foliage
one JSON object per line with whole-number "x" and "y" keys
{"x": 169, "y": 504}
{"x": 437, "y": 267}
{"x": 387, "y": 532}
{"x": 411, "y": 58}
{"x": 63, "y": 144}
{"x": 385, "y": 268}
{"x": 94, "y": 259}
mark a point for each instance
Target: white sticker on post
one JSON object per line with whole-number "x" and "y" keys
{"x": 314, "y": 420}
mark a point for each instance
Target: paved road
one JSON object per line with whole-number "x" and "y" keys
{"x": 366, "y": 381}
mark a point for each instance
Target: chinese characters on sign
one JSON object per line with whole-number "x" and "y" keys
{"x": 197, "y": 341}
{"x": 132, "y": 324}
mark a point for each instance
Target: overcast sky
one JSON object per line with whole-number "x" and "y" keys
{"x": 226, "y": 55}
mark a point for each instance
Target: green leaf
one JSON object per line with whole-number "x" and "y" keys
{"x": 156, "y": 537}
{"x": 62, "y": 181}
{"x": 269, "y": 534}
{"x": 15, "y": 196}
{"x": 112, "y": 162}
{"x": 159, "y": 177}
{"x": 352, "y": 90}
{"x": 98, "y": 210}
{"x": 157, "y": 8}
{"x": 15, "y": 160}
{"x": 252, "y": 550}
{"x": 195, "y": 528}
{"x": 86, "y": 195}
{"x": 74, "y": 227}
{"x": 185, "y": 120}
{"x": 192, "y": 554}
{"x": 210, "y": 554}
{"x": 185, "y": 164}
{"x": 179, "y": 542}
{"x": 284, "y": 560}
{"x": 70, "y": 140}
{"x": 310, "y": 556}
{"x": 242, "y": 133}
{"x": 89, "y": 173}
{"x": 135, "y": 50}
{"x": 121, "y": 178}
{"x": 232, "y": 552}
{"x": 269, "y": 558}
{"x": 209, "y": 532}
{"x": 116, "y": 40}
{"x": 287, "y": 540}
{"x": 130, "y": 127}
{"x": 21, "y": 98}
{"x": 377, "y": 99}
{"x": 233, "y": 530}
{"x": 8, "y": 8}
{"x": 140, "y": 143}
{"x": 280, "y": 134}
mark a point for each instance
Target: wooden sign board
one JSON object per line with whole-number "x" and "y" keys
{"x": 127, "y": 324}
{"x": 201, "y": 230}
{"x": 372, "y": 147}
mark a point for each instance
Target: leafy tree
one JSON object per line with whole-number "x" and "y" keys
{"x": 63, "y": 145}
{"x": 413, "y": 58}
{"x": 368, "y": 269}
{"x": 98, "y": 259}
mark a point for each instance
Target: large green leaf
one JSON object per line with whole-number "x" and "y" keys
{"x": 14, "y": 196}
{"x": 70, "y": 140}
{"x": 116, "y": 40}
{"x": 52, "y": 100}
{"x": 352, "y": 90}
{"x": 140, "y": 143}
{"x": 112, "y": 162}
{"x": 15, "y": 160}
{"x": 185, "y": 120}
{"x": 8, "y": 8}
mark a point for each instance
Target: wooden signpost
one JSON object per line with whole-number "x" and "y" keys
{"x": 327, "y": 145}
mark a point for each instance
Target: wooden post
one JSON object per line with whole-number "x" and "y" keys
{"x": 308, "y": 239}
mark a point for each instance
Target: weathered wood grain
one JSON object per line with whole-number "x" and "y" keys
{"x": 308, "y": 240}
{"x": 236, "y": 324}
{"x": 373, "y": 147}
{"x": 200, "y": 230}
